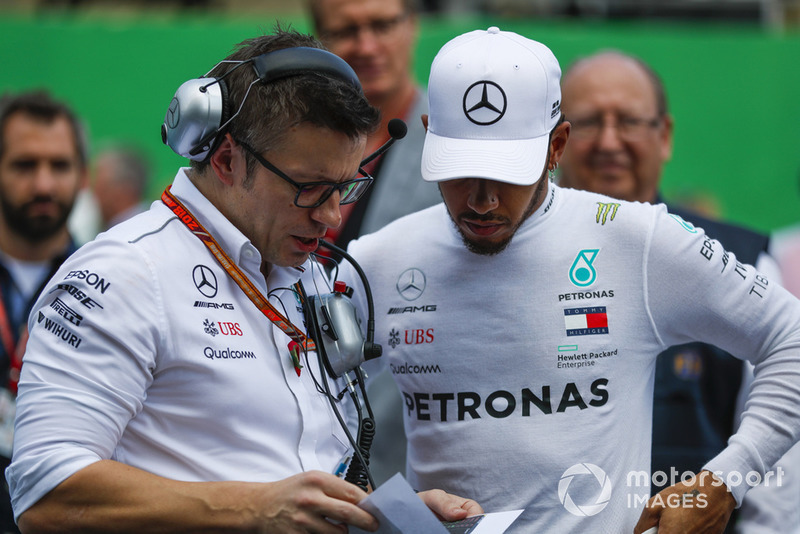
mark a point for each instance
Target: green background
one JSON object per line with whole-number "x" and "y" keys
{"x": 734, "y": 90}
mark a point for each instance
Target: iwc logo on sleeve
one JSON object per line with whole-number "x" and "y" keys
{"x": 485, "y": 103}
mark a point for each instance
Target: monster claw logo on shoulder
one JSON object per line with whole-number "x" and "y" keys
{"x": 606, "y": 212}
{"x": 582, "y": 273}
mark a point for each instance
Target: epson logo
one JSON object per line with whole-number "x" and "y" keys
{"x": 213, "y": 305}
{"x": 92, "y": 279}
{"x": 412, "y": 309}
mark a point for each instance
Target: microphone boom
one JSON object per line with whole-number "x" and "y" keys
{"x": 397, "y": 130}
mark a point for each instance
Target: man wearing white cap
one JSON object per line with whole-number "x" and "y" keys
{"x": 522, "y": 321}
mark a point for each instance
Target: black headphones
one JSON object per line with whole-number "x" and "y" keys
{"x": 200, "y": 110}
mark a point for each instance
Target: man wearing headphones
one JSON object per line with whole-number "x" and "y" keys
{"x": 169, "y": 383}
{"x": 522, "y": 321}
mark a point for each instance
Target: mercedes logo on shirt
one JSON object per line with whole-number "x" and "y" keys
{"x": 173, "y": 113}
{"x": 205, "y": 281}
{"x": 411, "y": 284}
{"x": 485, "y": 103}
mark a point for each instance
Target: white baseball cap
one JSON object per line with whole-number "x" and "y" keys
{"x": 494, "y": 96}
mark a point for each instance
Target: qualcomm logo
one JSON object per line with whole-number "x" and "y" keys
{"x": 601, "y": 498}
{"x": 582, "y": 272}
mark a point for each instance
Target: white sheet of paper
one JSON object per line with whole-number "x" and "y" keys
{"x": 400, "y": 511}
{"x": 496, "y": 522}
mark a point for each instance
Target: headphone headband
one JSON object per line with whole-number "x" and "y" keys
{"x": 303, "y": 60}
{"x": 196, "y": 116}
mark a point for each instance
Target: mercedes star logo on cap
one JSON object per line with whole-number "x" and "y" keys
{"x": 205, "y": 280}
{"x": 485, "y": 103}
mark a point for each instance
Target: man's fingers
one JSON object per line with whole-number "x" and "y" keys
{"x": 342, "y": 498}
{"x": 649, "y": 518}
{"x": 449, "y": 507}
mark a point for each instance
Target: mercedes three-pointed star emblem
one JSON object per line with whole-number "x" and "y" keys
{"x": 485, "y": 103}
{"x": 411, "y": 284}
{"x": 205, "y": 280}
{"x": 173, "y": 113}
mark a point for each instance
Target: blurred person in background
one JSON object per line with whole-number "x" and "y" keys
{"x": 42, "y": 168}
{"x": 621, "y": 139}
{"x": 785, "y": 247}
{"x": 377, "y": 38}
{"x": 121, "y": 177}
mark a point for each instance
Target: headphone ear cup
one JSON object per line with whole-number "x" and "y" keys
{"x": 194, "y": 117}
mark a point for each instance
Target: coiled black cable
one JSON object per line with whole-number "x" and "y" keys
{"x": 358, "y": 472}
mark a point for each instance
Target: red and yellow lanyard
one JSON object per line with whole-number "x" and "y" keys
{"x": 14, "y": 351}
{"x": 298, "y": 339}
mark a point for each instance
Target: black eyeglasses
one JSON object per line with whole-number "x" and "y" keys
{"x": 313, "y": 194}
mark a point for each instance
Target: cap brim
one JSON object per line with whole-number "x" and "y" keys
{"x": 517, "y": 161}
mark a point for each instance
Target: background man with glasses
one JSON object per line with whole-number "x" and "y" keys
{"x": 163, "y": 389}
{"x": 620, "y": 141}
{"x": 377, "y": 39}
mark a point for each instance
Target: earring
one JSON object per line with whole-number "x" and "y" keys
{"x": 552, "y": 171}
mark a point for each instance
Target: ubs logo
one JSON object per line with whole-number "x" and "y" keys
{"x": 485, "y": 103}
{"x": 205, "y": 281}
{"x": 411, "y": 284}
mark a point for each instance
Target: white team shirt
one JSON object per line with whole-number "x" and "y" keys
{"x": 527, "y": 376}
{"x": 143, "y": 350}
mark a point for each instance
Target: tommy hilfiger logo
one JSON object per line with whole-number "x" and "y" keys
{"x": 586, "y": 321}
